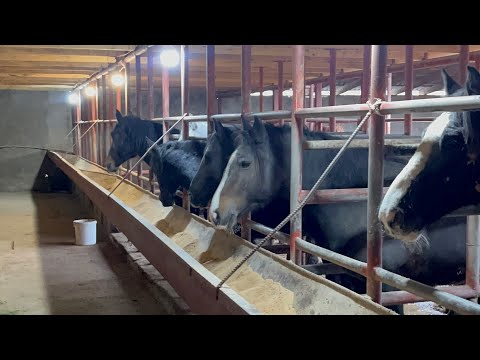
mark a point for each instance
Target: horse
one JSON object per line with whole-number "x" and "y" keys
{"x": 443, "y": 175}
{"x": 175, "y": 164}
{"x": 128, "y": 139}
{"x": 258, "y": 171}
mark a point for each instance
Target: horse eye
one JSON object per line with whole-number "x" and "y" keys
{"x": 244, "y": 164}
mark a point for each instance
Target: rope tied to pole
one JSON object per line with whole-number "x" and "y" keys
{"x": 373, "y": 109}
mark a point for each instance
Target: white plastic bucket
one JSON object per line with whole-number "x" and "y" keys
{"x": 85, "y": 231}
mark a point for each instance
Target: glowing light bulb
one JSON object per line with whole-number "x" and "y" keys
{"x": 169, "y": 58}
{"x": 73, "y": 98}
{"x": 90, "y": 91}
{"x": 117, "y": 79}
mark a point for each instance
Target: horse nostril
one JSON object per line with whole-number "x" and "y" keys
{"x": 215, "y": 217}
{"x": 396, "y": 217}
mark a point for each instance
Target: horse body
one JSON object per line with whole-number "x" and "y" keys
{"x": 175, "y": 164}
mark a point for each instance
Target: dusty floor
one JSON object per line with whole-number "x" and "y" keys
{"x": 42, "y": 272}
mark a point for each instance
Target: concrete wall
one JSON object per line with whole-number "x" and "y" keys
{"x": 30, "y": 118}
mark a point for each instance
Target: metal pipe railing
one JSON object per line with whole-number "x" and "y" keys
{"x": 456, "y": 103}
{"x": 429, "y": 293}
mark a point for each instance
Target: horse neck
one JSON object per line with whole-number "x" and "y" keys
{"x": 153, "y": 131}
{"x": 281, "y": 143}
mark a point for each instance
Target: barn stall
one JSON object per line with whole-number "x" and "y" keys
{"x": 221, "y": 82}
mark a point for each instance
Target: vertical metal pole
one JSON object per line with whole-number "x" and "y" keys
{"x": 318, "y": 102}
{"x": 150, "y": 105}
{"x": 246, "y": 108}
{"x": 125, "y": 90}
{"x": 126, "y": 108}
{"x": 111, "y": 112}
{"x": 472, "y": 277}
{"x": 184, "y": 87}
{"x": 97, "y": 127}
{"x": 165, "y": 100}
{"x": 78, "y": 131}
{"x": 275, "y": 100}
{"x": 463, "y": 63}
{"x": 367, "y": 60}
{"x": 94, "y": 128}
{"x": 104, "y": 117}
{"x": 296, "y": 151}
{"x": 119, "y": 99}
{"x": 407, "y": 125}
{"x": 389, "y": 98}
{"x": 210, "y": 86}
{"x": 219, "y": 105}
{"x": 260, "y": 74}
{"x": 312, "y": 104}
{"x": 333, "y": 87}
{"x": 375, "y": 171}
{"x": 280, "y": 90}
{"x": 185, "y": 92}
{"x": 138, "y": 78}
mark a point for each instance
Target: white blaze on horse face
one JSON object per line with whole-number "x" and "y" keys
{"x": 215, "y": 204}
{"x": 404, "y": 179}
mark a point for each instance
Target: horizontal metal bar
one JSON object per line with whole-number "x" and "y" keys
{"x": 282, "y": 237}
{"x": 331, "y": 196}
{"x": 266, "y": 115}
{"x": 405, "y": 144}
{"x": 454, "y": 103}
{"x": 404, "y": 297}
{"x": 342, "y": 260}
{"x": 455, "y": 303}
{"x": 450, "y": 301}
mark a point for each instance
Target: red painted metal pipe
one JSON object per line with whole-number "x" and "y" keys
{"x": 210, "y": 85}
{"x": 407, "y": 127}
{"x": 119, "y": 99}
{"x": 280, "y": 90}
{"x": 472, "y": 276}
{"x": 296, "y": 149}
{"x": 138, "y": 78}
{"x": 365, "y": 87}
{"x": 389, "y": 98}
{"x": 404, "y": 297}
{"x": 375, "y": 171}
{"x": 260, "y": 85}
{"x": 246, "y": 108}
{"x": 150, "y": 104}
{"x": 105, "y": 125}
{"x": 464, "y": 57}
{"x": 333, "y": 86}
{"x": 318, "y": 101}
{"x": 331, "y": 196}
{"x": 185, "y": 92}
{"x": 125, "y": 91}
{"x": 165, "y": 100}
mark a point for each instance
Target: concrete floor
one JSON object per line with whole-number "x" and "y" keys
{"x": 43, "y": 272}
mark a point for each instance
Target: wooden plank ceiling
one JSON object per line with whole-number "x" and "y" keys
{"x": 63, "y": 66}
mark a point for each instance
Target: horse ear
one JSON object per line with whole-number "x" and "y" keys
{"x": 218, "y": 127}
{"x": 246, "y": 126}
{"x": 149, "y": 142}
{"x": 449, "y": 84}
{"x": 473, "y": 81}
{"x": 119, "y": 116}
{"x": 259, "y": 132}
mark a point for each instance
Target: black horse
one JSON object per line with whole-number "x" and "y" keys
{"x": 175, "y": 164}
{"x": 128, "y": 139}
{"x": 444, "y": 173}
{"x": 258, "y": 172}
